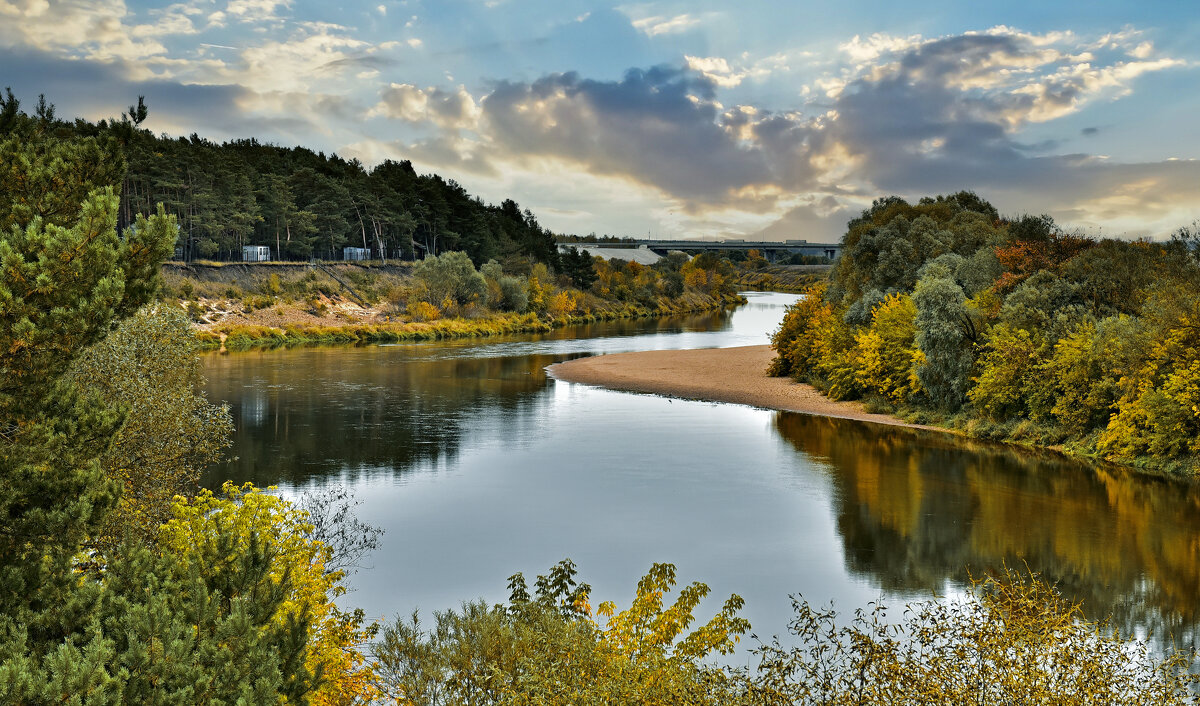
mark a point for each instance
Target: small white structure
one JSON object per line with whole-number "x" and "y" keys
{"x": 356, "y": 253}
{"x": 256, "y": 253}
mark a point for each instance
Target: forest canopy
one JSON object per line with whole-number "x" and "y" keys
{"x": 1009, "y": 328}
{"x": 298, "y": 202}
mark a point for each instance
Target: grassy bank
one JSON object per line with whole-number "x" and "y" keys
{"x": 1038, "y": 436}
{"x": 239, "y": 338}
{"x": 267, "y": 305}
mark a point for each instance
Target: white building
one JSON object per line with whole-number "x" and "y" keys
{"x": 356, "y": 253}
{"x": 256, "y": 253}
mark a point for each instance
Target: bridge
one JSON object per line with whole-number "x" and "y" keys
{"x": 772, "y": 250}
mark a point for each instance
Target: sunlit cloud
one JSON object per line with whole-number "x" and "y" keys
{"x": 256, "y": 10}
{"x": 447, "y": 109}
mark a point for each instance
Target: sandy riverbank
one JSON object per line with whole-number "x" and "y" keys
{"x": 734, "y": 375}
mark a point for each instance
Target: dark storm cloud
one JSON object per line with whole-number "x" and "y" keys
{"x": 937, "y": 113}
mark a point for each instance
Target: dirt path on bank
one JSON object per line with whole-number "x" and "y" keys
{"x": 736, "y": 375}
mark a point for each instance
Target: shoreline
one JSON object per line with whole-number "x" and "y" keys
{"x": 222, "y": 338}
{"x": 733, "y": 375}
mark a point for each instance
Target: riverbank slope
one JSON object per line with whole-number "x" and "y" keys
{"x": 736, "y": 375}
{"x": 236, "y": 306}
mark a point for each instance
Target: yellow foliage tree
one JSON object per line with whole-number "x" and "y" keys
{"x": 886, "y": 354}
{"x": 647, "y": 646}
{"x": 548, "y": 649}
{"x": 1008, "y": 368}
{"x": 794, "y": 340}
{"x": 695, "y": 277}
{"x": 332, "y": 652}
{"x": 539, "y": 294}
{"x": 563, "y": 304}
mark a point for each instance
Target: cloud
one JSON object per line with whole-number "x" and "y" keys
{"x": 659, "y": 126}
{"x": 256, "y": 10}
{"x": 864, "y": 52}
{"x": 819, "y": 220}
{"x": 447, "y": 109}
{"x": 96, "y": 29}
{"x": 313, "y": 55}
{"x": 948, "y": 111}
{"x": 726, "y": 74}
{"x": 658, "y": 24}
{"x": 905, "y": 114}
{"x": 97, "y": 90}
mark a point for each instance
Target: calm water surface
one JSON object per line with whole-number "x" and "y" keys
{"x": 478, "y": 465}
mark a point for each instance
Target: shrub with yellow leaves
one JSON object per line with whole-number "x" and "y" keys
{"x": 298, "y": 561}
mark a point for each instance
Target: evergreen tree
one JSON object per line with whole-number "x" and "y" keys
{"x": 212, "y": 621}
{"x": 66, "y": 277}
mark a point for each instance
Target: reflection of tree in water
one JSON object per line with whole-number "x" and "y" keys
{"x": 310, "y": 413}
{"x": 302, "y": 415}
{"x": 915, "y": 509}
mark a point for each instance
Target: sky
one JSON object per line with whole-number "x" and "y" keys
{"x": 670, "y": 119}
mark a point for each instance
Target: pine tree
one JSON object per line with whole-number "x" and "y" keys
{"x": 201, "y": 624}
{"x": 66, "y": 277}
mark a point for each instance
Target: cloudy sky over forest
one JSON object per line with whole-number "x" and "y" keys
{"x": 681, "y": 119}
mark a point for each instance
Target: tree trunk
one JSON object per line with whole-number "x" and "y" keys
{"x": 362, "y": 226}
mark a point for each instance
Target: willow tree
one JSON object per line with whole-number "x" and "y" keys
{"x": 944, "y": 336}
{"x": 150, "y": 366}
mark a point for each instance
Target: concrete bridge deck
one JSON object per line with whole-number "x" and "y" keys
{"x": 771, "y": 249}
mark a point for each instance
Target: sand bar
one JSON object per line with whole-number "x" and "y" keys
{"x": 736, "y": 375}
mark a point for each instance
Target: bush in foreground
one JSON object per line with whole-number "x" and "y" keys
{"x": 1011, "y": 639}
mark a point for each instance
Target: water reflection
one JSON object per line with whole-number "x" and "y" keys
{"x": 915, "y": 510}
{"x": 478, "y": 466}
{"x": 310, "y": 413}
{"x": 305, "y": 414}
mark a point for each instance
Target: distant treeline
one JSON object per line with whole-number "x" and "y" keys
{"x": 593, "y": 238}
{"x": 300, "y": 203}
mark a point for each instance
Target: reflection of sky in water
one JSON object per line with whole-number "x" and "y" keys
{"x": 478, "y": 466}
{"x": 253, "y": 406}
{"x": 749, "y": 325}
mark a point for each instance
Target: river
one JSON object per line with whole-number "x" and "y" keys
{"x": 478, "y": 465}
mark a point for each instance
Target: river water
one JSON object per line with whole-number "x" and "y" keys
{"x": 478, "y": 465}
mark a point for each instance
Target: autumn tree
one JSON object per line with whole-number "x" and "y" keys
{"x": 549, "y": 646}
{"x": 1036, "y": 244}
